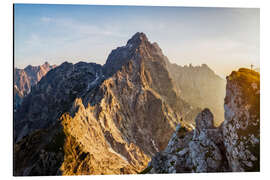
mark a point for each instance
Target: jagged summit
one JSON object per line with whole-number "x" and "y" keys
{"x": 46, "y": 64}
{"x": 85, "y": 118}
{"x": 118, "y": 123}
{"x": 201, "y": 87}
{"x": 137, "y": 39}
{"x": 55, "y": 92}
{"x": 29, "y": 76}
{"x": 137, "y": 47}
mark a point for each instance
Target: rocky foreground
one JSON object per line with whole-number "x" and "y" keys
{"x": 233, "y": 146}
{"x": 86, "y": 118}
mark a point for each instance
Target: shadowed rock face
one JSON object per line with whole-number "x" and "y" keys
{"x": 18, "y": 97}
{"x": 233, "y": 146}
{"x": 86, "y": 118}
{"x": 112, "y": 118}
{"x": 122, "y": 55}
{"x": 54, "y": 95}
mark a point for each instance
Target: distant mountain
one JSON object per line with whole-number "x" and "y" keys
{"x": 233, "y": 146}
{"x": 25, "y": 78}
{"x": 85, "y": 118}
{"x": 200, "y": 87}
{"x": 117, "y": 116}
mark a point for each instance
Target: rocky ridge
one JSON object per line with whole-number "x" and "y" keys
{"x": 86, "y": 118}
{"x": 200, "y": 87}
{"x": 108, "y": 106}
{"x": 54, "y": 95}
{"x": 25, "y": 78}
{"x": 195, "y": 150}
{"x": 233, "y": 146}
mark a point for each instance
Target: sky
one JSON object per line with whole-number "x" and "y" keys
{"x": 223, "y": 38}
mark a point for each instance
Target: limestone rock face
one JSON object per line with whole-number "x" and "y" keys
{"x": 205, "y": 120}
{"x": 197, "y": 150}
{"x": 113, "y": 118}
{"x": 233, "y": 146}
{"x": 206, "y": 146}
{"x": 85, "y": 118}
{"x": 18, "y": 97}
{"x": 241, "y": 128}
{"x": 25, "y": 78}
{"x": 54, "y": 95}
{"x": 122, "y": 55}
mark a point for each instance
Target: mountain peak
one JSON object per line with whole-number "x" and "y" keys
{"x": 137, "y": 39}
{"x": 121, "y": 55}
{"x": 46, "y": 63}
{"x": 28, "y": 67}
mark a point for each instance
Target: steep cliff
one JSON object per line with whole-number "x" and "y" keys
{"x": 192, "y": 150}
{"x": 233, "y": 146}
{"x": 25, "y": 78}
{"x": 54, "y": 95}
{"x": 85, "y": 118}
{"x": 18, "y": 97}
{"x": 116, "y": 117}
{"x": 241, "y": 128}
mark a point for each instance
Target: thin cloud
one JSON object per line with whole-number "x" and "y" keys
{"x": 46, "y": 19}
{"x": 82, "y": 28}
{"x": 216, "y": 36}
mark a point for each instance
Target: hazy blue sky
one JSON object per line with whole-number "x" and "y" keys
{"x": 223, "y": 38}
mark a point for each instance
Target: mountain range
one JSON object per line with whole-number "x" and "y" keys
{"x": 86, "y": 118}
{"x": 25, "y": 78}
